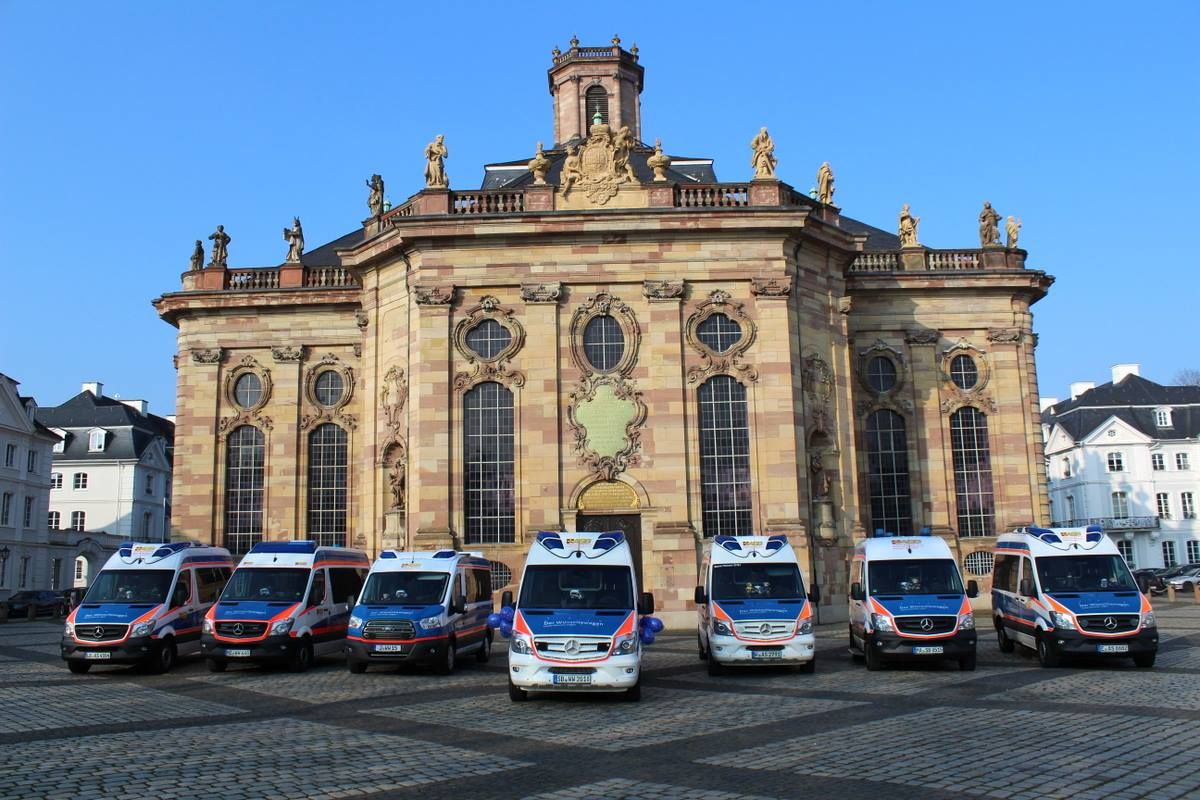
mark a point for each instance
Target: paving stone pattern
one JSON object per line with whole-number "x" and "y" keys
{"x": 334, "y": 684}
{"x": 1149, "y": 688}
{"x": 894, "y": 681}
{"x": 624, "y": 789}
{"x": 90, "y": 702}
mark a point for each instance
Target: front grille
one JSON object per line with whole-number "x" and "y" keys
{"x": 389, "y": 629}
{"x": 763, "y": 629}
{"x": 1099, "y": 623}
{"x": 98, "y": 632}
{"x": 765, "y": 648}
{"x": 241, "y": 630}
{"x": 573, "y": 670}
{"x": 582, "y": 649}
{"x": 926, "y": 626}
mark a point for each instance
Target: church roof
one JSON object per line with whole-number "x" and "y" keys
{"x": 130, "y": 432}
{"x": 1133, "y": 399}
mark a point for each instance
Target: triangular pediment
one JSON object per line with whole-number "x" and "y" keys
{"x": 1115, "y": 431}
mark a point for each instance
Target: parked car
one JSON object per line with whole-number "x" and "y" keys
{"x": 44, "y": 603}
{"x": 1150, "y": 580}
{"x": 1186, "y": 580}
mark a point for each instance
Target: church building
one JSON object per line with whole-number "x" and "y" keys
{"x": 605, "y": 336}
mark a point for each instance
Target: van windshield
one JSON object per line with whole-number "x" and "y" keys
{"x": 1084, "y": 574}
{"x": 405, "y": 588}
{"x": 266, "y": 584}
{"x": 577, "y": 587}
{"x": 130, "y": 586}
{"x": 914, "y": 576}
{"x": 757, "y": 582}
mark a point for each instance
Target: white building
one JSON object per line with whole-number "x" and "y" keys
{"x": 112, "y": 469}
{"x": 1126, "y": 455}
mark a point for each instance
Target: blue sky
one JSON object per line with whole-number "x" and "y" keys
{"x": 128, "y": 130}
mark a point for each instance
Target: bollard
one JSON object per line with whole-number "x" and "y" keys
{"x": 1196, "y": 592}
{"x": 1170, "y": 593}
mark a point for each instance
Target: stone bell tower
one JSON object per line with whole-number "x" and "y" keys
{"x": 587, "y": 80}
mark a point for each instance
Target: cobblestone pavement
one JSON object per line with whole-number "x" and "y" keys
{"x": 1099, "y": 729}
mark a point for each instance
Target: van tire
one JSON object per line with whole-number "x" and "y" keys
{"x": 485, "y": 649}
{"x": 1047, "y": 657}
{"x": 700, "y": 648}
{"x": 634, "y": 693}
{"x": 1142, "y": 660}
{"x": 163, "y": 657}
{"x": 855, "y": 654}
{"x": 516, "y": 693}
{"x": 967, "y": 663}
{"x": 1003, "y": 641}
{"x": 79, "y": 667}
{"x": 450, "y": 659}
{"x": 302, "y": 659}
{"x": 217, "y": 664}
{"x": 355, "y": 666}
{"x": 871, "y": 655}
{"x": 808, "y": 667}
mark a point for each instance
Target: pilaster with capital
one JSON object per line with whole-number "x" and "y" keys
{"x": 933, "y": 473}
{"x": 431, "y": 439}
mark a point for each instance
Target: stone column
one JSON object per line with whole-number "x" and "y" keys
{"x": 283, "y": 514}
{"x": 430, "y": 502}
{"x": 197, "y": 475}
{"x": 933, "y": 457}
{"x": 540, "y": 456}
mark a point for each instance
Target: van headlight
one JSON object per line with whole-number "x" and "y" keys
{"x": 1062, "y": 621}
{"x": 624, "y": 645}
{"x": 882, "y": 623}
{"x": 432, "y": 622}
{"x": 722, "y": 628}
{"x": 281, "y": 627}
{"x": 206, "y": 626}
{"x": 356, "y": 622}
{"x": 521, "y": 645}
{"x": 1148, "y": 620}
{"x": 804, "y": 626}
{"x": 143, "y": 629}
{"x": 69, "y": 629}
{"x": 966, "y": 622}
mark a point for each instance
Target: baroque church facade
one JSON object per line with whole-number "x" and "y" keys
{"x": 605, "y": 336}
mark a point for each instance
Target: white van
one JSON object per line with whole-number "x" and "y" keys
{"x": 145, "y": 606}
{"x": 907, "y": 602}
{"x": 752, "y": 606}
{"x": 1068, "y": 591}
{"x": 426, "y": 608}
{"x": 286, "y": 602}
{"x": 575, "y": 626}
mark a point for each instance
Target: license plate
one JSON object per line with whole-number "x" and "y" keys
{"x": 766, "y": 654}
{"x": 237, "y": 653}
{"x": 389, "y": 648}
{"x": 1113, "y": 648}
{"x": 573, "y": 679}
{"x": 928, "y": 651}
{"x": 97, "y": 656}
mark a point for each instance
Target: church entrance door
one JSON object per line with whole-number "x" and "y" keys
{"x": 628, "y": 524}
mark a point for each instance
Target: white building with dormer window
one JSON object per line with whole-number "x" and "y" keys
{"x": 1126, "y": 455}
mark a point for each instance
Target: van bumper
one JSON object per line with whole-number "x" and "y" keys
{"x": 892, "y": 645}
{"x": 1074, "y": 643}
{"x": 276, "y": 647}
{"x": 729, "y": 650}
{"x": 613, "y": 674}
{"x": 431, "y": 651}
{"x": 130, "y": 651}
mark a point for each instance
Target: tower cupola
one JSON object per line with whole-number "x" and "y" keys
{"x": 590, "y": 81}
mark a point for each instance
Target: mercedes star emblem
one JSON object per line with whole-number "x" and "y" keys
{"x": 571, "y": 647}
{"x": 98, "y": 633}
{"x": 926, "y": 624}
{"x": 1110, "y": 623}
{"x": 765, "y": 628}
{"x": 237, "y": 629}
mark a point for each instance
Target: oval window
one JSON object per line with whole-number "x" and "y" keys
{"x": 719, "y": 333}
{"x": 963, "y": 372}
{"x": 329, "y": 388}
{"x": 881, "y": 374}
{"x": 247, "y": 391}
{"x": 488, "y": 339}
{"x": 603, "y": 343}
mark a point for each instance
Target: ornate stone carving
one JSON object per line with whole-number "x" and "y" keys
{"x": 228, "y": 424}
{"x": 825, "y": 187}
{"x": 845, "y": 305}
{"x": 983, "y": 402}
{"x": 207, "y": 355}
{"x": 436, "y": 154}
{"x": 599, "y": 305}
{"x": 433, "y": 295}
{"x": 495, "y": 367}
{"x": 908, "y": 225}
{"x": 1005, "y": 335}
{"x": 361, "y": 319}
{"x": 396, "y": 459}
{"x": 659, "y": 162}
{"x": 771, "y": 287}
{"x": 287, "y": 354}
{"x": 901, "y": 405}
{"x": 197, "y": 261}
{"x": 817, "y": 379}
{"x": 393, "y": 395}
{"x": 982, "y": 368}
{"x": 335, "y": 412}
{"x": 880, "y": 349}
{"x": 923, "y": 336}
{"x": 730, "y": 361}
{"x": 663, "y": 290}
{"x": 763, "y": 156}
{"x": 989, "y": 225}
{"x": 600, "y": 165}
{"x": 375, "y": 199}
{"x": 1013, "y": 229}
{"x": 357, "y": 350}
{"x": 538, "y": 166}
{"x": 220, "y": 247}
{"x": 541, "y": 292}
{"x": 294, "y": 236}
{"x": 606, "y": 414}
{"x": 246, "y": 415}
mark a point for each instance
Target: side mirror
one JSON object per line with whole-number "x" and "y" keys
{"x": 700, "y": 597}
{"x": 1027, "y": 588}
{"x": 506, "y": 600}
{"x": 458, "y": 607}
{"x": 646, "y": 603}
{"x": 351, "y": 602}
{"x": 972, "y": 589}
{"x": 856, "y": 591}
{"x": 814, "y": 594}
{"x": 180, "y": 597}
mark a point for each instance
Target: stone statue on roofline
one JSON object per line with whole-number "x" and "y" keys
{"x": 763, "y": 160}
{"x": 1013, "y": 229}
{"x": 538, "y": 166}
{"x": 659, "y": 162}
{"x": 436, "y": 154}
{"x": 622, "y": 148}
{"x": 220, "y": 248}
{"x": 825, "y": 184}
{"x": 375, "y": 201}
{"x": 989, "y": 225}
{"x": 572, "y": 170}
{"x": 294, "y": 236}
{"x": 198, "y": 256}
{"x": 908, "y": 228}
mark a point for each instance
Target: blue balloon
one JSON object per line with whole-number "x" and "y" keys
{"x": 505, "y": 629}
{"x": 508, "y": 613}
{"x": 654, "y": 623}
{"x": 647, "y": 636}
{"x": 494, "y": 620}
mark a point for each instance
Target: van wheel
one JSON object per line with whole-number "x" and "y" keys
{"x": 356, "y": 667}
{"x": 634, "y": 693}
{"x": 808, "y": 667}
{"x": 967, "y": 663}
{"x": 1143, "y": 660}
{"x": 871, "y": 655}
{"x": 451, "y": 660}
{"x": 79, "y": 667}
{"x": 516, "y": 693}
{"x": 715, "y": 667}
{"x": 854, "y": 652}
{"x": 302, "y": 659}
{"x": 700, "y": 648}
{"x": 1005, "y": 644}
{"x": 485, "y": 650}
{"x": 163, "y": 657}
{"x": 1047, "y": 656}
{"x": 217, "y": 664}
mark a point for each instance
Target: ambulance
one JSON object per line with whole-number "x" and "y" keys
{"x": 145, "y": 606}
{"x": 752, "y": 606}
{"x": 907, "y": 602}
{"x": 422, "y": 607}
{"x": 1066, "y": 592}
{"x": 578, "y": 623}
{"x": 287, "y": 602}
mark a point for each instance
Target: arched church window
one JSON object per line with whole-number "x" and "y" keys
{"x": 488, "y": 339}
{"x": 972, "y": 472}
{"x": 725, "y": 489}
{"x": 887, "y": 472}
{"x": 244, "y": 469}
{"x": 328, "y": 460}
{"x": 597, "y": 102}
{"x": 488, "y": 447}
{"x": 718, "y": 332}
{"x": 603, "y": 343}
{"x": 964, "y": 373}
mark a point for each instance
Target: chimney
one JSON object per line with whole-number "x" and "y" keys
{"x": 1119, "y": 371}
{"x": 1047, "y": 402}
{"x": 140, "y": 406}
{"x": 1079, "y": 387}
{"x": 95, "y": 387}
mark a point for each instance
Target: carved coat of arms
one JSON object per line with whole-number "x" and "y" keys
{"x": 600, "y": 165}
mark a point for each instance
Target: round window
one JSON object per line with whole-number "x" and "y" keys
{"x": 719, "y": 333}
{"x": 603, "y": 343}
{"x": 881, "y": 374}
{"x": 501, "y": 575}
{"x": 979, "y": 563}
{"x": 488, "y": 339}
{"x": 247, "y": 391}
{"x": 329, "y": 388}
{"x": 963, "y": 372}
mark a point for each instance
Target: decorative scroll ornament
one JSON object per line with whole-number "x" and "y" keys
{"x": 433, "y": 295}
{"x": 599, "y": 305}
{"x": 923, "y": 336}
{"x": 983, "y": 371}
{"x": 880, "y": 349}
{"x": 728, "y": 362}
{"x": 541, "y": 292}
{"x": 332, "y": 413}
{"x": 817, "y": 378}
{"x": 663, "y": 290}
{"x": 771, "y": 287}
{"x": 207, "y": 355}
{"x": 983, "y": 402}
{"x": 495, "y": 368}
{"x": 286, "y": 355}
{"x": 361, "y": 319}
{"x": 901, "y": 405}
{"x": 393, "y": 395}
{"x": 250, "y": 415}
{"x": 600, "y": 165}
{"x": 606, "y": 415}
{"x": 1005, "y": 335}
